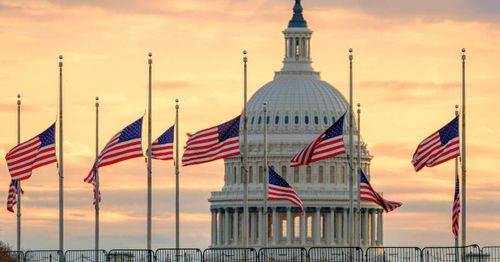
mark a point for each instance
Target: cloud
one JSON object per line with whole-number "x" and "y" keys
{"x": 171, "y": 85}
{"x": 405, "y": 91}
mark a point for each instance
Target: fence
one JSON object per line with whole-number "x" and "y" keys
{"x": 335, "y": 254}
{"x": 181, "y": 255}
{"x": 471, "y": 253}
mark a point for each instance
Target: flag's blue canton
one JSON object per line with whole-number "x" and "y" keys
{"x": 48, "y": 136}
{"x": 363, "y": 178}
{"x": 229, "y": 129}
{"x": 132, "y": 131}
{"x": 335, "y": 129}
{"x": 167, "y": 137}
{"x": 449, "y": 131}
{"x": 275, "y": 179}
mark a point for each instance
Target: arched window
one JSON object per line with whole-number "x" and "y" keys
{"x": 296, "y": 174}
{"x": 309, "y": 226}
{"x": 283, "y": 172}
{"x": 286, "y": 120}
{"x": 342, "y": 175}
{"x": 261, "y": 174}
{"x": 267, "y": 120}
{"x": 333, "y": 119}
{"x": 260, "y": 120}
{"x": 250, "y": 174}
{"x": 296, "y": 229}
{"x": 253, "y": 118}
{"x": 316, "y": 120}
{"x": 306, "y": 120}
{"x": 321, "y": 176}
{"x": 332, "y": 175}
{"x": 297, "y": 120}
{"x": 325, "y": 120}
{"x": 276, "y": 120}
{"x": 308, "y": 175}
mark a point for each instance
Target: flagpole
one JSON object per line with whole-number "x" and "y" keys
{"x": 351, "y": 152}
{"x": 358, "y": 212}
{"x": 96, "y": 170}
{"x": 245, "y": 155}
{"x": 19, "y": 182}
{"x": 456, "y": 177}
{"x": 177, "y": 174}
{"x": 266, "y": 180}
{"x": 464, "y": 151}
{"x": 61, "y": 159}
{"x": 149, "y": 167}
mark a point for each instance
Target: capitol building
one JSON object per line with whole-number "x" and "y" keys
{"x": 300, "y": 106}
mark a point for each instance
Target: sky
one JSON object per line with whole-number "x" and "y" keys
{"x": 407, "y": 76}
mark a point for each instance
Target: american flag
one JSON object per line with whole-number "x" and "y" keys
{"x": 439, "y": 147}
{"x": 456, "y": 208}
{"x": 34, "y": 153}
{"x": 213, "y": 143}
{"x": 367, "y": 193}
{"x": 122, "y": 146}
{"x": 12, "y": 197}
{"x": 163, "y": 147}
{"x": 329, "y": 144}
{"x": 279, "y": 189}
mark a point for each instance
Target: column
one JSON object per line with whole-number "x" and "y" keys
{"x": 251, "y": 219}
{"x": 316, "y": 226}
{"x": 372, "y": 227}
{"x": 276, "y": 226}
{"x": 344, "y": 223}
{"x": 226, "y": 227}
{"x": 214, "y": 227}
{"x": 365, "y": 226}
{"x": 338, "y": 228}
{"x": 294, "y": 46}
{"x": 235, "y": 227}
{"x": 380, "y": 228}
{"x": 260, "y": 238}
{"x": 220, "y": 228}
{"x": 289, "y": 223}
{"x": 332, "y": 229}
{"x": 303, "y": 228}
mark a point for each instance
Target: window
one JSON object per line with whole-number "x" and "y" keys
{"x": 253, "y": 118}
{"x": 286, "y": 120}
{"x": 296, "y": 174}
{"x": 306, "y": 120}
{"x": 284, "y": 228}
{"x": 261, "y": 174}
{"x": 333, "y": 119}
{"x": 250, "y": 174}
{"x": 296, "y": 227}
{"x": 342, "y": 175}
{"x": 276, "y": 120}
{"x": 309, "y": 226}
{"x": 322, "y": 225}
{"x": 297, "y": 47}
{"x": 260, "y": 120}
{"x": 308, "y": 175}
{"x": 332, "y": 175}
{"x": 267, "y": 120}
{"x": 320, "y": 175}
{"x": 316, "y": 120}
{"x": 283, "y": 172}
{"x": 234, "y": 175}
{"x": 325, "y": 120}
{"x": 296, "y": 120}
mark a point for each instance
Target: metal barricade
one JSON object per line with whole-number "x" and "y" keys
{"x": 393, "y": 254}
{"x": 12, "y": 256}
{"x": 229, "y": 254}
{"x": 452, "y": 254}
{"x": 130, "y": 255}
{"x": 335, "y": 254}
{"x": 178, "y": 255}
{"x": 490, "y": 253}
{"x": 288, "y": 254}
{"x": 44, "y": 256}
{"x": 89, "y": 255}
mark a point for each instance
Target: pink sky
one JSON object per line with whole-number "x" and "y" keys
{"x": 407, "y": 78}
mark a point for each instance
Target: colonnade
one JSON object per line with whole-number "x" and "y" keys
{"x": 317, "y": 226}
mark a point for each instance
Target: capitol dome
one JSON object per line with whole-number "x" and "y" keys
{"x": 299, "y": 106}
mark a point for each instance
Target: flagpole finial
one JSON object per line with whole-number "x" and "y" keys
{"x": 18, "y": 99}
{"x": 359, "y": 108}
{"x": 60, "y": 61}
{"x": 96, "y": 101}
{"x": 150, "y": 60}
{"x": 463, "y": 53}
{"x": 245, "y": 59}
{"x": 350, "y": 54}
{"x": 176, "y": 103}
